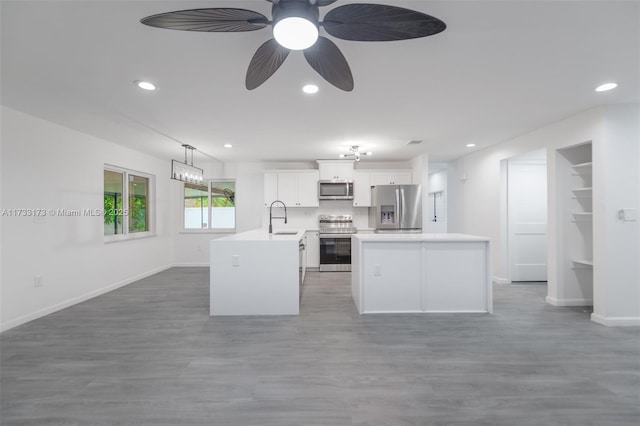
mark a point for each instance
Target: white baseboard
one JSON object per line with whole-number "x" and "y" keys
{"x": 191, "y": 265}
{"x": 500, "y": 280}
{"x": 568, "y": 302}
{"x": 616, "y": 321}
{"x": 75, "y": 300}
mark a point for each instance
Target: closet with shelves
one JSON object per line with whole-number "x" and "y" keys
{"x": 575, "y": 208}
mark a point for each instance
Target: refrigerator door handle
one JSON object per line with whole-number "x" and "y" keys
{"x": 399, "y": 206}
{"x": 402, "y": 220}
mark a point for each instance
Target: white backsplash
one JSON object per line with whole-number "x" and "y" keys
{"x": 307, "y": 217}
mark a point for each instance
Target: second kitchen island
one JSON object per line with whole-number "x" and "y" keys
{"x": 437, "y": 273}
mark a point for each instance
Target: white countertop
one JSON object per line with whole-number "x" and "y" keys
{"x": 408, "y": 237}
{"x": 263, "y": 235}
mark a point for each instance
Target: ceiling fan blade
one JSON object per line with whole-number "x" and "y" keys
{"x": 378, "y": 22}
{"x": 209, "y": 20}
{"x": 264, "y": 63}
{"x": 329, "y": 62}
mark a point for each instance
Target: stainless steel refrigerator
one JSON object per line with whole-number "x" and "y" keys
{"x": 396, "y": 208}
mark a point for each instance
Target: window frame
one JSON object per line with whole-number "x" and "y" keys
{"x": 209, "y": 229}
{"x": 127, "y": 235}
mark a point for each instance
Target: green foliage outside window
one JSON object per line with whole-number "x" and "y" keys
{"x": 110, "y": 208}
{"x": 138, "y": 214}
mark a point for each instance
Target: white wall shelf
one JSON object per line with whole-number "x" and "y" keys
{"x": 582, "y": 166}
{"x": 582, "y": 190}
{"x": 584, "y": 262}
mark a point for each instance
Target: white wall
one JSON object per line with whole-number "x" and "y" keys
{"x": 616, "y": 246}
{"x": 47, "y": 166}
{"x": 474, "y": 197}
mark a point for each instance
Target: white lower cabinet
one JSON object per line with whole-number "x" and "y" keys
{"x": 394, "y": 283}
{"x": 313, "y": 249}
{"x": 420, "y": 273}
{"x": 455, "y": 275}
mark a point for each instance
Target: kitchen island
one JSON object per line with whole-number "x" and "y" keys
{"x": 398, "y": 272}
{"x": 256, "y": 273}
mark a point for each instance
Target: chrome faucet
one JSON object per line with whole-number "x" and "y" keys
{"x": 276, "y": 217}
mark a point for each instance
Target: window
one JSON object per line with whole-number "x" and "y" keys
{"x": 138, "y": 203}
{"x": 127, "y": 207}
{"x": 113, "y": 193}
{"x": 210, "y": 206}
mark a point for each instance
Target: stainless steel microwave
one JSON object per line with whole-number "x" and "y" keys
{"x": 335, "y": 190}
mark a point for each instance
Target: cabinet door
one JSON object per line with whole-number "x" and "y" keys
{"x": 361, "y": 189}
{"x": 288, "y": 188}
{"x": 307, "y": 189}
{"x": 270, "y": 188}
{"x": 313, "y": 249}
{"x": 344, "y": 171}
{"x": 338, "y": 170}
{"x": 393, "y": 275}
{"x": 450, "y": 287}
{"x": 402, "y": 178}
{"x": 390, "y": 178}
{"x": 381, "y": 178}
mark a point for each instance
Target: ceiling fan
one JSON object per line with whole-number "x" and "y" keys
{"x": 295, "y": 27}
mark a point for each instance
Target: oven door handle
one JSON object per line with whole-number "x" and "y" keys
{"x": 343, "y": 236}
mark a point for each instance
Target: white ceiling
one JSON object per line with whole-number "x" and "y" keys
{"x": 500, "y": 69}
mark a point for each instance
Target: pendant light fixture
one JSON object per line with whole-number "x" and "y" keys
{"x": 186, "y": 172}
{"x": 355, "y": 153}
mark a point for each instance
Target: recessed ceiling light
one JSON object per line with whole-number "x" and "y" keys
{"x": 470, "y": 145}
{"x": 228, "y": 145}
{"x": 606, "y": 86}
{"x": 145, "y": 85}
{"x": 310, "y": 89}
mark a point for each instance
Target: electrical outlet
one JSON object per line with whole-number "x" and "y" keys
{"x": 37, "y": 281}
{"x": 377, "y": 270}
{"x": 235, "y": 260}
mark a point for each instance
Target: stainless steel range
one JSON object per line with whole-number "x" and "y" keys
{"x": 335, "y": 242}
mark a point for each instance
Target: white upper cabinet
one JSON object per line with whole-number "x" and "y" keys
{"x": 361, "y": 189}
{"x": 308, "y": 189}
{"x": 295, "y": 188}
{"x": 270, "y": 188}
{"x": 390, "y": 177}
{"x": 335, "y": 169}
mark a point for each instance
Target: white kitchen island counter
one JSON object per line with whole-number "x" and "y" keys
{"x": 406, "y": 272}
{"x": 255, "y": 273}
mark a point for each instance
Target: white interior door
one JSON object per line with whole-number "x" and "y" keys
{"x": 527, "y": 219}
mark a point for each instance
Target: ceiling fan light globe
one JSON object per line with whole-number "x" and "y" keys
{"x": 295, "y": 33}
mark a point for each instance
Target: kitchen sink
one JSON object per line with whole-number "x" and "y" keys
{"x": 285, "y": 233}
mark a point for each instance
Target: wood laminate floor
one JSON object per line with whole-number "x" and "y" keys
{"x": 149, "y": 354}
